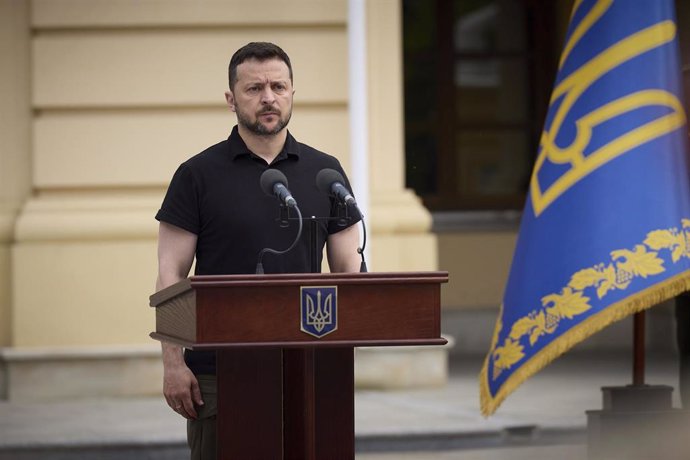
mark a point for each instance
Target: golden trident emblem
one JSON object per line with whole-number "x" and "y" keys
{"x": 319, "y": 310}
{"x": 572, "y": 87}
{"x": 319, "y": 315}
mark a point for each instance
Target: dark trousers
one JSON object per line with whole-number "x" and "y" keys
{"x": 201, "y": 433}
{"x": 683, "y": 340}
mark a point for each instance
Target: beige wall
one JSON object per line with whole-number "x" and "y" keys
{"x": 478, "y": 262}
{"x": 15, "y": 140}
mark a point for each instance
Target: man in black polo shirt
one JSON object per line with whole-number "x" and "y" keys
{"x": 214, "y": 210}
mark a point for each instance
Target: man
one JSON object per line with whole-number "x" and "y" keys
{"x": 214, "y": 210}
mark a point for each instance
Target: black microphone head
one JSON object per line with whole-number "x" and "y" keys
{"x": 270, "y": 178}
{"x": 325, "y": 179}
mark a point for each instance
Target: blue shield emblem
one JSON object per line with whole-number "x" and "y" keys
{"x": 319, "y": 310}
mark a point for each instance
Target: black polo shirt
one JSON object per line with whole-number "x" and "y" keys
{"x": 216, "y": 195}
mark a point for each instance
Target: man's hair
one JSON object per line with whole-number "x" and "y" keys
{"x": 261, "y": 51}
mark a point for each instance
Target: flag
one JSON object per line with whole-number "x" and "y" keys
{"x": 605, "y": 231}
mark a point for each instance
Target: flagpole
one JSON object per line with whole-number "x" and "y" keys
{"x": 638, "y": 348}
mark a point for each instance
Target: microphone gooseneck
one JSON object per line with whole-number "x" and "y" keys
{"x": 259, "y": 264}
{"x": 363, "y": 265}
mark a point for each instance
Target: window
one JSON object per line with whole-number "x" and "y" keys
{"x": 478, "y": 75}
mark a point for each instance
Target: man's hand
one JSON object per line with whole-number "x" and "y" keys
{"x": 181, "y": 389}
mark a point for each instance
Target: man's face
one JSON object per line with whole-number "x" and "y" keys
{"x": 262, "y": 96}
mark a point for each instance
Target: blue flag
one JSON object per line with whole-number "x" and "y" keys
{"x": 606, "y": 227}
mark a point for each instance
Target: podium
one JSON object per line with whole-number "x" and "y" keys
{"x": 285, "y": 350}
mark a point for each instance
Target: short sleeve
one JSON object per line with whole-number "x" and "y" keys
{"x": 181, "y": 203}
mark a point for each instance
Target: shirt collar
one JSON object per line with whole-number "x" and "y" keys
{"x": 239, "y": 148}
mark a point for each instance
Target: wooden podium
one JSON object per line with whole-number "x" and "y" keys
{"x": 285, "y": 350}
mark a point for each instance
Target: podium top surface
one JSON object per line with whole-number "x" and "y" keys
{"x": 216, "y": 281}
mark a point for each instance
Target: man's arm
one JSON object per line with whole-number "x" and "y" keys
{"x": 341, "y": 250}
{"x": 176, "y": 249}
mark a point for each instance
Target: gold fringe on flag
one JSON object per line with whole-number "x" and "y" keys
{"x": 615, "y": 312}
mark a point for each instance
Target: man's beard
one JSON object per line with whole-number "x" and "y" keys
{"x": 258, "y": 128}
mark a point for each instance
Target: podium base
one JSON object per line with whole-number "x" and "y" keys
{"x": 637, "y": 422}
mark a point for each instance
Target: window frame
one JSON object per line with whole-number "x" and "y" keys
{"x": 542, "y": 59}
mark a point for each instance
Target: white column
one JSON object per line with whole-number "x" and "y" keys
{"x": 359, "y": 134}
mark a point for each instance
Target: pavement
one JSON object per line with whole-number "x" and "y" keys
{"x": 543, "y": 419}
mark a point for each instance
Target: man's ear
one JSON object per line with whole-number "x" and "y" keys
{"x": 230, "y": 99}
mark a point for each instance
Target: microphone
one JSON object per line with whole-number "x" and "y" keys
{"x": 274, "y": 182}
{"x": 331, "y": 181}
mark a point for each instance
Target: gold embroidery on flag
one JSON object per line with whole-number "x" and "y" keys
{"x": 643, "y": 261}
{"x": 572, "y": 87}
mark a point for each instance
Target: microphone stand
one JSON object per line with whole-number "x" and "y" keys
{"x": 313, "y": 246}
{"x": 313, "y": 243}
{"x": 312, "y": 226}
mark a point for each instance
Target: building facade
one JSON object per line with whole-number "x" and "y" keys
{"x": 100, "y": 100}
